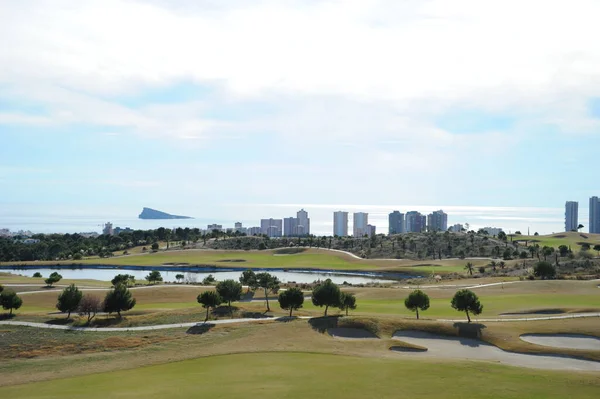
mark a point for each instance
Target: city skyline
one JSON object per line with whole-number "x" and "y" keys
{"x": 185, "y": 113}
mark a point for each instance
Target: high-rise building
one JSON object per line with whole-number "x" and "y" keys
{"x": 396, "y": 223}
{"x": 290, "y": 227}
{"x": 492, "y": 231}
{"x": 340, "y": 224}
{"x": 594, "y": 215}
{"x": 571, "y": 215}
{"x": 415, "y": 222}
{"x": 457, "y": 228}
{"x": 361, "y": 220}
{"x": 108, "y": 229}
{"x": 271, "y": 227}
{"x": 253, "y": 231}
{"x": 371, "y": 230}
{"x": 437, "y": 221}
{"x": 303, "y": 223}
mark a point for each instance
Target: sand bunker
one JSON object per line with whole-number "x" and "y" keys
{"x": 351, "y": 333}
{"x": 473, "y": 349}
{"x": 569, "y": 341}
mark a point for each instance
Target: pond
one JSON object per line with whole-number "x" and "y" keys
{"x": 196, "y": 276}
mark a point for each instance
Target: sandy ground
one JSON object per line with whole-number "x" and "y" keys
{"x": 473, "y": 349}
{"x": 351, "y": 333}
{"x": 571, "y": 341}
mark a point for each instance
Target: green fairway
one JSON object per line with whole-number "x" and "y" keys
{"x": 300, "y": 375}
{"x": 570, "y": 239}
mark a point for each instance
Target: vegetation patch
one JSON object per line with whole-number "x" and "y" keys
{"x": 289, "y": 251}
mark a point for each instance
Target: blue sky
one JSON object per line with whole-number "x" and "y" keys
{"x": 221, "y": 112}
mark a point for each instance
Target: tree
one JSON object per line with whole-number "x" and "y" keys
{"x": 597, "y": 248}
{"x": 326, "y": 294}
{"x": 466, "y": 301}
{"x": 89, "y": 306}
{"x": 544, "y": 270}
{"x": 417, "y": 300}
{"x": 126, "y": 279}
{"x": 248, "y": 278}
{"x": 37, "y": 274}
{"x": 153, "y": 277}
{"x": 208, "y": 300}
{"x": 229, "y": 290}
{"x": 580, "y": 226}
{"x": 291, "y": 299}
{"x": 547, "y": 251}
{"x": 208, "y": 280}
{"x": 53, "y": 278}
{"x": 347, "y": 301}
{"x": 469, "y": 267}
{"x": 118, "y": 299}
{"x": 179, "y": 278}
{"x": 268, "y": 283}
{"x": 10, "y": 300}
{"x": 69, "y": 299}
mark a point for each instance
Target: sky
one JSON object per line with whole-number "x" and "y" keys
{"x": 242, "y": 110}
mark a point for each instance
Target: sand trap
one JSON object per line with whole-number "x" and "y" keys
{"x": 473, "y": 349}
{"x": 570, "y": 341}
{"x": 351, "y": 333}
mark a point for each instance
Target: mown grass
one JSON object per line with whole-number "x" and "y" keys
{"x": 316, "y": 259}
{"x": 277, "y": 375}
{"x": 571, "y": 239}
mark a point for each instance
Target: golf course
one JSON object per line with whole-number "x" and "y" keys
{"x": 163, "y": 347}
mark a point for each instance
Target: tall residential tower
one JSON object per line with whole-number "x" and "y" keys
{"x": 340, "y": 224}
{"x": 571, "y": 215}
{"x": 396, "y": 223}
{"x": 594, "y": 215}
{"x": 361, "y": 221}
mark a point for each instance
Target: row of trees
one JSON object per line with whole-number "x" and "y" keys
{"x": 117, "y": 300}
{"x": 463, "y": 301}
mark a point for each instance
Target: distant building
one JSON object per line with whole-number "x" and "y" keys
{"x": 571, "y": 215}
{"x": 396, "y": 223}
{"x": 119, "y": 230}
{"x": 271, "y": 227}
{"x": 415, "y": 222}
{"x": 594, "y": 215}
{"x": 108, "y": 229}
{"x": 437, "y": 221}
{"x": 371, "y": 230}
{"x": 29, "y": 241}
{"x": 237, "y": 225}
{"x": 253, "y": 231}
{"x": 290, "y": 227}
{"x": 340, "y": 224}
{"x": 214, "y": 226}
{"x": 492, "y": 231}
{"x": 361, "y": 221}
{"x": 5, "y": 233}
{"x": 457, "y": 228}
{"x": 303, "y": 228}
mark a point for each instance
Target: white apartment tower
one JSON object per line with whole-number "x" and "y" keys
{"x": 361, "y": 221}
{"x": 340, "y": 224}
{"x": 571, "y": 215}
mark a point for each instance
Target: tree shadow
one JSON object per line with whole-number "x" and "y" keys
{"x": 323, "y": 323}
{"x": 286, "y": 319}
{"x": 6, "y": 316}
{"x": 200, "y": 329}
{"x": 254, "y": 315}
{"x": 59, "y": 322}
{"x": 222, "y": 311}
{"x": 470, "y": 332}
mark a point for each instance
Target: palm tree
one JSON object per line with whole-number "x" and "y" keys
{"x": 469, "y": 266}
{"x": 493, "y": 265}
{"x": 502, "y": 264}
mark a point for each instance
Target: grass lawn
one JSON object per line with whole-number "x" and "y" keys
{"x": 317, "y": 259}
{"x": 286, "y": 375}
{"x": 555, "y": 240}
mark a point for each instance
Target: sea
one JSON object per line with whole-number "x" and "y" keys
{"x": 83, "y": 219}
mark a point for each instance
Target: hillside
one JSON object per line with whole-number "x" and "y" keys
{"x": 402, "y": 246}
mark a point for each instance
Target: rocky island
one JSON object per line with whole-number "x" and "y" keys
{"x": 149, "y": 213}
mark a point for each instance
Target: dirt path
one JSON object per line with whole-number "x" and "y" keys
{"x": 472, "y": 349}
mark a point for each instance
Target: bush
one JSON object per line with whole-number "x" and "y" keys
{"x": 544, "y": 270}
